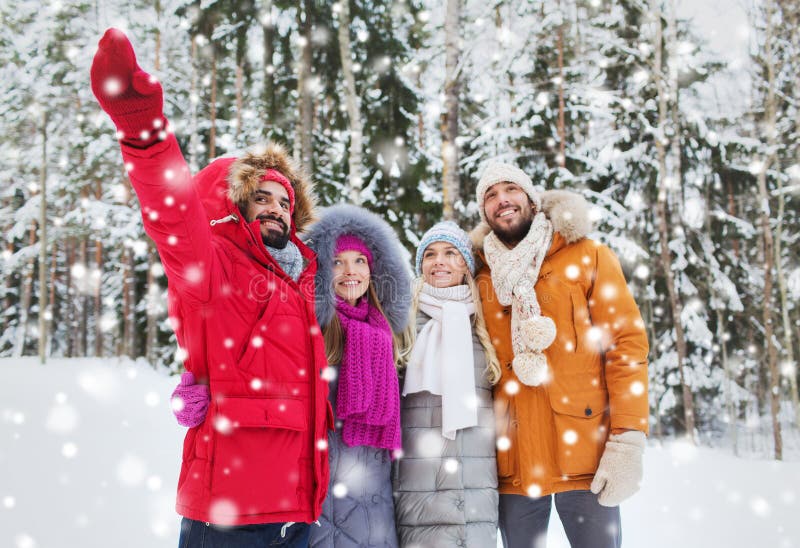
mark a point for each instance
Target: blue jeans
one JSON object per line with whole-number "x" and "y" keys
{"x": 523, "y": 520}
{"x": 196, "y": 534}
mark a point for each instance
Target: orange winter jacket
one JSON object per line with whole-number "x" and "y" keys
{"x": 551, "y": 437}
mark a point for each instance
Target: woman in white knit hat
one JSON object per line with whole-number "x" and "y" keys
{"x": 446, "y": 483}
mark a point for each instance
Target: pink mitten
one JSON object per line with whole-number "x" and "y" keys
{"x": 190, "y": 401}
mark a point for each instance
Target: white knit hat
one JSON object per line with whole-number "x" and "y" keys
{"x": 497, "y": 173}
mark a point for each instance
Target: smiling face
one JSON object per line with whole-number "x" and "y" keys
{"x": 270, "y": 205}
{"x": 350, "y": 275}
{"x": 509, "y": 212}
{"x": 443, "y": 265}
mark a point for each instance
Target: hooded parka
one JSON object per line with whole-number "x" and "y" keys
{"x": 551, "y": 437}
{"x": 248, "y": 330}
{"x": 359, "y": 511}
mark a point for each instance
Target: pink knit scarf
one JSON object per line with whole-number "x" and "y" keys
{"x": 368, "y": 396}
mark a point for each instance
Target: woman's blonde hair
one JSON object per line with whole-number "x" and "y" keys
{"x": 333, "y": 335}
{"x": 492, "y": 370}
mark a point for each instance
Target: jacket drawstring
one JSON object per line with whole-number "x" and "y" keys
{"x": 231, "y": 217}
{"x": 285, "y": 527}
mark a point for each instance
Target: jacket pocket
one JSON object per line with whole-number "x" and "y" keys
{"x": 580, "y": 424}
{"x": 258, "y": 446}
{"x": 505, "y": 424}
{"x": 581, "y": 322}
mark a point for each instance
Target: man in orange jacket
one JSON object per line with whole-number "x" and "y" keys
{"x": 571, "y": 405}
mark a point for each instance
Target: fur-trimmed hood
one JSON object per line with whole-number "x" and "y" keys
{"x": 568, "y": 211}
{"x": 226, "y": 182}
{"x": 390, "y": 274}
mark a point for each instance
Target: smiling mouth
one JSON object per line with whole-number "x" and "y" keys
{"x": 506, "y": 212}
{"x": 350, "y": 283}
{"x": 272, "y": 224}
{"x": 440, "y": 273}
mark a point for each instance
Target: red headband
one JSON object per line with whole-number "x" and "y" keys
{"x": 276, "y": 176}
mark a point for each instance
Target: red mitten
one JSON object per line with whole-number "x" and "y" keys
{"x": 131, "y": 97}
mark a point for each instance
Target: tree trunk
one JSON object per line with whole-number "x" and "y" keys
{"x": 663, "y": 224}
{"x": 305, "y": 103}
{"x": 194, "y": 100}
{"x": 8, "y": 301}
{"x": 733, "y": 416}
{"x": 82, "y": 348}
{"x": 98, "y": 298}
{"x": 212, "y": 132}
{"x": 157, "y": 60}
{"x": 152, "y": 296}
{"x": 25, "y": 301}
{"x": 241, "y": 45}
{"x": 239, "y": 99}
{"x": 69, "y": 316}
{"x": 128, "y": 304}
{"x": 43, "y": 308}
{"x": 450, "y": 177}
{"x": 51, "y": 317}
{"x": 267, "y": 27}
{"x": 766, "y": 234}
{"x": 353, "y": 104}
{"x": 561, "y": 159}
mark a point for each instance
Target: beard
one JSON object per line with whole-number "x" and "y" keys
{"x": 273, "y": 238}
{"x": 512, "y": 235}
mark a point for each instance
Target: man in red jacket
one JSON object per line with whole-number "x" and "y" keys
{"x": 241, "y": 298}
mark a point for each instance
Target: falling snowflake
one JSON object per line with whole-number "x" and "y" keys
{"x": 339, "y": 490}
{"x": 223, "y": 512}
{"x": 69, "y": 450}
{"x": 503, "y": 443}
{"x": 534, "y": 490}
{"x": 223, "y": 424}
{"x": 112, "y": 86}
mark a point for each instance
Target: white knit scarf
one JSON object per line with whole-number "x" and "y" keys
{"x": 514, "y": 275}
{"x": 442, "y": 361}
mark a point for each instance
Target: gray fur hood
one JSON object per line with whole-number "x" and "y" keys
{"x": 390, "y": 274}
{"x": 568, "y": 211}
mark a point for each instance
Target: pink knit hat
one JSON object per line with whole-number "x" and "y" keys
{"x": 276, "y": 176}
{"x": 349, "y": 242}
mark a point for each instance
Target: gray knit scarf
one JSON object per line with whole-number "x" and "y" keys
{"x": 289, "y": 258}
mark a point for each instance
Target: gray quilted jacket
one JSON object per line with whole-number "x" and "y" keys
{"x": 358, "y": 511}
{"x": 445, "y": 491}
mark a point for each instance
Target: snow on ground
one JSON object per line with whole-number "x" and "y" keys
{"x": 90, "y": 453}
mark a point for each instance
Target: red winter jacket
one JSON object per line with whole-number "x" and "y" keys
{"x": 250, "y": 330}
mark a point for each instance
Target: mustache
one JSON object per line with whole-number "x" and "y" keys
{"x": 267, "y": 217}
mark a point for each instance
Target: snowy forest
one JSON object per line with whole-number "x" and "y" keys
{"x": 691, "y": 162}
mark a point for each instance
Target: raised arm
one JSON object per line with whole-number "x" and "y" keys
{"x": 171, "y": 209}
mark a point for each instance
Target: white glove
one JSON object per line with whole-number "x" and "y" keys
{"x": 619, "y": 473}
